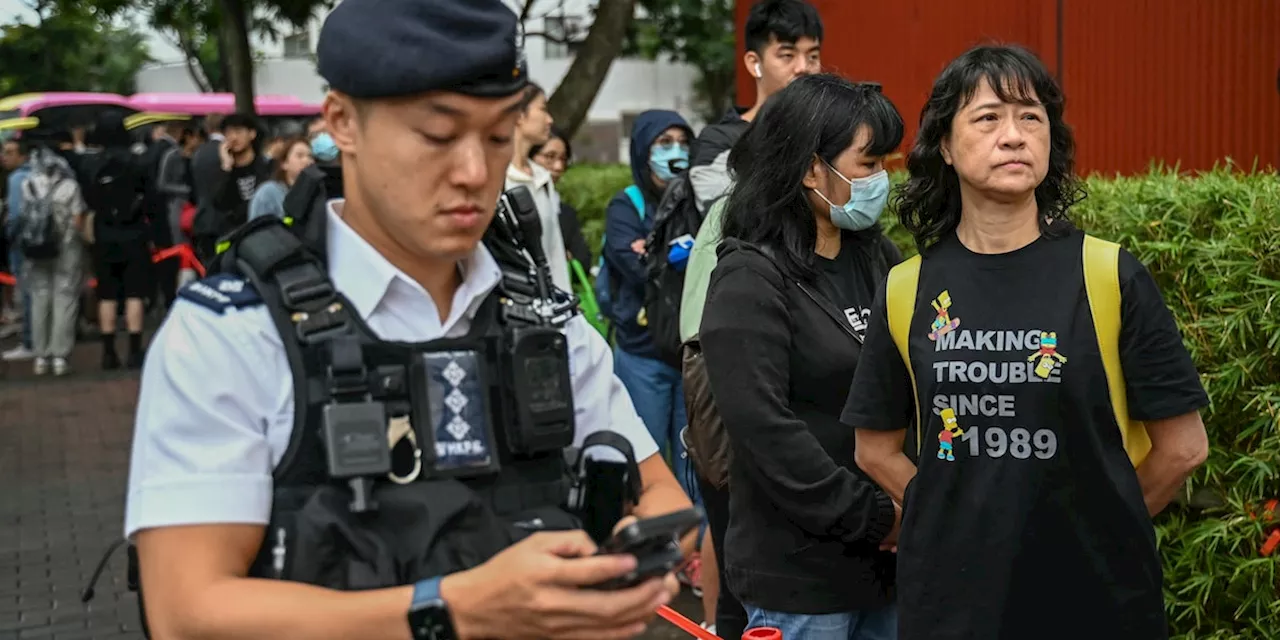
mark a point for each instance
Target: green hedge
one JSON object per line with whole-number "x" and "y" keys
{"x": 1213, "y": 243}
{"x": 589, "y": 188}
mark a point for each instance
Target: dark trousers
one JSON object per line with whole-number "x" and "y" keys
{"x": 731, "y": 618}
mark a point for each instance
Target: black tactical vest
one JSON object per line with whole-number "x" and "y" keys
{"x": 462, "y": 485}
{"x": 457, "y": 494}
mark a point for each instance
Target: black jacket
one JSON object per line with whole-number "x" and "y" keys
{"x": 717, "y": 138}
{"x": 805, "y": 523}
{"x": 574, "y": 242}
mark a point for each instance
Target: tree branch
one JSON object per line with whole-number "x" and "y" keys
{"x": 524, "y": 11}
{"x": 559, "y": 8}
{"x": 550, "y": 38}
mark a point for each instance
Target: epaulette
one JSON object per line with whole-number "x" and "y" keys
{"x": 220, "y": 292}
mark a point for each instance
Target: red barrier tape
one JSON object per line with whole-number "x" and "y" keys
{"x": 688, "y": 626}
{"x": 186, "y": 260}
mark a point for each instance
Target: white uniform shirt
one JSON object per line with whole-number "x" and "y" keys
{"x": 216, "y": 406}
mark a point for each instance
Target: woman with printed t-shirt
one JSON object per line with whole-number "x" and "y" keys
{"x": 1024, "y": 516}
{"x": 806, "y": 549}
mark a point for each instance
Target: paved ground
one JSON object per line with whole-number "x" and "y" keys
{"x": 64, "y": 447}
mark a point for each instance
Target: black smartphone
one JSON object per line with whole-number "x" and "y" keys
{"x": 655, "y": 542}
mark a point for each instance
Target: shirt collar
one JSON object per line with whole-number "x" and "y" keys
{"x": 365, "y": 277}
{"x": 538, "y": 178}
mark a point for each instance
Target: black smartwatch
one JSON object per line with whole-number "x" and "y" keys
{"x": 429, "y": 617}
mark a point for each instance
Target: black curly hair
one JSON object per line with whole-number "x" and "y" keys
{"x": 928, "y": 203}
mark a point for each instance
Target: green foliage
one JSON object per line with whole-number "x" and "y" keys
{"x": 588, "y": 188}
{"x": 1212, "y": 242}
{"x": 69, "y": 50}
{"x": 699, "y": 32}
{"x": 193, "y": 26}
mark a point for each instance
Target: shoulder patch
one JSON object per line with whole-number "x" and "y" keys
{"x": 220, "y": 292}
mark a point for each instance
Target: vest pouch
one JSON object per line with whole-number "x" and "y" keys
{"x": 438, "y": 526}
{"x": 314, "y": 538}
{"x": 419, "y": 530}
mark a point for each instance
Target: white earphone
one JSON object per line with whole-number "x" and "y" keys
{"x": 759, "y": 73}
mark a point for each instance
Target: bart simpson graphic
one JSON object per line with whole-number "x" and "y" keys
{"x": 1047, "y": 353}
{"x": 950, "y": 429}
{"x": 944, "y": 323}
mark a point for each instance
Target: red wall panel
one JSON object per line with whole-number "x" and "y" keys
{"x": 1186, "y": 81}
{"x": 1189, "y": 82}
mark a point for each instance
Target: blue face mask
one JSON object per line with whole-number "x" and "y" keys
{"x": 323, "y": 148}
{"x": 867, "y": 198}
{"x": 667, "y": 162}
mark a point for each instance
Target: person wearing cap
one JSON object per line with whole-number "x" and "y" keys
{"x": 424, "y": 148}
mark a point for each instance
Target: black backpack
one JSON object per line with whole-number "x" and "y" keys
{"x": 675, "y": 224}
{"x": 115, "y": 191}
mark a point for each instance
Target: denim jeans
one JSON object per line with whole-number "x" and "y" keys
{"x": 878, "y": 624}
{"x": 657, "y": 391}
{"x": 23, "y": 293}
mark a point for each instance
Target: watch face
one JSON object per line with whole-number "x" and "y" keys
{"x": 431, "y": 621}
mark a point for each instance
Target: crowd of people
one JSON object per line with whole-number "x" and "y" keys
{"x": 114, "y": 197}
{"x": 829, "y": 514}
{"x": 813, "y": 366}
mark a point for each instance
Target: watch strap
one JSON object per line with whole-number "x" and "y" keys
{"x": 426, "y": 592}
{"x": 429, "y": 617}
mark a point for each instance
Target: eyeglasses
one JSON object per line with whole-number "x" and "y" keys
{"x": 666, "y": 142}
{"x": 552, "y": 158}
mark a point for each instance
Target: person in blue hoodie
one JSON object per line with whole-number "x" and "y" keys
{"x": 659, "y": 150}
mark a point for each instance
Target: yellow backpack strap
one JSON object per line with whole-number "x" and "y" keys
{"x": 900, "y": 303}
{"x": 1102, "y": 285}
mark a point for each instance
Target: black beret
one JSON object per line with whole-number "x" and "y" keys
{"x": 392, "y": 48}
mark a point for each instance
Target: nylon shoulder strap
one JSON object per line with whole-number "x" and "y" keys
{"x": 1102, "y": 286}
{"x": 900, "y": 302}
{"x": 637, "y": 198}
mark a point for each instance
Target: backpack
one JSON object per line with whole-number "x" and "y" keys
{"x": 606, "y": 285}
{"x": 1102, "y": 287}
{"x": 40, "y": 237}
{"x": 114, "y": 191}
{"x": 704, "y": 436}
{"x": 675, "y": 225}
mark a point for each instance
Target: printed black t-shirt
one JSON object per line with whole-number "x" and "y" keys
{"x": 849, "y": 280}
{"x": 1026, "y": 519}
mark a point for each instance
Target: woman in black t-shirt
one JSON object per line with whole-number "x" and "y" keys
{"x": 807, "y": 545}
{"x": 1023, "y": 515}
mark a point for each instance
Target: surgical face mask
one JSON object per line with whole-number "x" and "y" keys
{"x": 867, "y": 198}
{"x": 666, "y": 162}
{"x": 323, "y": 148}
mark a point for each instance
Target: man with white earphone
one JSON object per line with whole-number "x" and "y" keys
{"x": 783, "y": 40}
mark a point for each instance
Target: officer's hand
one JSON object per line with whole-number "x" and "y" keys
{"x": 536, "y": 589}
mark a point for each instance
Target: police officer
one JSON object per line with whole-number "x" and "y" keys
{"x": 423, "y": 102}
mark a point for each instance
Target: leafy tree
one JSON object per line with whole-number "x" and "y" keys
{"x": 571, "y": 101}
{"x": 68, "y": 49}
{"x": 698, "y": 32}
{"x": 214, "y": 35}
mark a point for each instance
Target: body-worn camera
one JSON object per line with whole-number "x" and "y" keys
{"x": 538, "y": 366}
{"x": 537, "y": 357}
